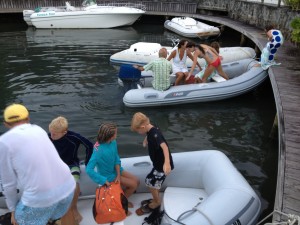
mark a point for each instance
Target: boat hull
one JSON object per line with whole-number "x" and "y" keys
{"x": 244, "y": 77}
{"x": 84, "y": 19}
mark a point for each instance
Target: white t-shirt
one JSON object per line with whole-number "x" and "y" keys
{"x": 30, "y": 162}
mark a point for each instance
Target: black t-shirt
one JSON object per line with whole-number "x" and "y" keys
{"x": 155, "y": 139}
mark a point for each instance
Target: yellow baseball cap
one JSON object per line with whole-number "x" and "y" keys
{"x": 15, "y": 112}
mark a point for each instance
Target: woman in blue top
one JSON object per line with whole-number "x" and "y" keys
{"x": 106, "y": 159}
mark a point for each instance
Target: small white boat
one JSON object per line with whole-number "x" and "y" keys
{"x": 93, "y": 16}
{"x": 204, "y": 188}
{"x": 142, "y": 53}
{"x": 191, "y": 28}
{"x": 244, "y": 76}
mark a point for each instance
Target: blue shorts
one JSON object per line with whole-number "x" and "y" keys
{"x": 155, "y": 179}
{"x": 26, "y": 215}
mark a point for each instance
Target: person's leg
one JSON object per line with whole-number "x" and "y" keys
{"x": 222, "y": 73}
{"x": 65, "y": 212}
{"x": 179, "y": 77}
{"x": 209, "y": 69}
{"x": 131, "y": 183}
{"x": 156, "y": 199}
{"x": 75, "y": 171}
{"x": 76, "y": 213}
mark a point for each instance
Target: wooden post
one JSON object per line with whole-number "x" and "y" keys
{"x": 274, "y": 130}
{"x": 279, "y": 3}
{"x": 243, "y": 40}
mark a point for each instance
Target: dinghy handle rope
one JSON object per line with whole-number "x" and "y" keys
{"x": 195, "y": 209}
{"x": 291, "y": 219}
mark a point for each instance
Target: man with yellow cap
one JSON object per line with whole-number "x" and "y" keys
{"x": 30, "y": 163}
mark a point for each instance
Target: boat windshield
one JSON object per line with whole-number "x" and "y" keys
{"x": 89, "y": 2}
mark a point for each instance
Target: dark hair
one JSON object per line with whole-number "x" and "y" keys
{"x": 269, "y": 27}
{"x": 181, "y": 43}
{"x": 216, "y": 46}
{"x": 190, "y": 44}
{"x": 106, "y": 131}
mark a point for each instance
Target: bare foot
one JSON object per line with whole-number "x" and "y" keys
{"x": 257, "y": 65}
{"x": 130, "y": 205}
{"x": 129, "y": 213}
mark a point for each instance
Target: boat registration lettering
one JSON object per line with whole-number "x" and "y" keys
{"x": 178, "y": 94}
{"x": 45, "y": 14}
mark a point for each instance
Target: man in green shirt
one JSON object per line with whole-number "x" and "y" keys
{"x": 161, "y": 69}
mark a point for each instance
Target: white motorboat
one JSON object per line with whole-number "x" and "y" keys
{"x": 244, "y": 76}
{"x": 93, "y": 16}
{"x": 142, "y": 53}
{"x": 204, "y": 188}
{"x": 191, "y": 28}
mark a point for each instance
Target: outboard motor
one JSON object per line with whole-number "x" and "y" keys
{"x": 130, "y": 77}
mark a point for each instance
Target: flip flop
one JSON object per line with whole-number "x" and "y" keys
{"x": 144, "y": 209}
{"x": 146, "y": 202}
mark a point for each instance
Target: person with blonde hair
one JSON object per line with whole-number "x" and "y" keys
{"x": 67, "y": 144}
{"x": 106, "y": 159}
{"x": 160, "y": 156}
{"x": 161, "y": 69}
{"x": 30, "y": 163}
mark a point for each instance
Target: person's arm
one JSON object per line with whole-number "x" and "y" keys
{"x": 95, "y": 176}
{"x": 167, "y": 165}
{"x": 195, "y": 60}
{"x": 190, "y": 55}
{"x": 8, "y": 177}
{"x": 118, "y": 177}
{"x": 88, "y": 147}
{"x": 172, "y": 55}
{"x": 140, "y": 68}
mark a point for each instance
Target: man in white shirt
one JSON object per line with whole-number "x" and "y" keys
{"x": 30, "y": 163}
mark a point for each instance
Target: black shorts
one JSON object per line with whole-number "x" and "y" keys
{"x": 155, "y": 179}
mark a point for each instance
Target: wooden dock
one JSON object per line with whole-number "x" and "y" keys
{"x": 285, "y": 80}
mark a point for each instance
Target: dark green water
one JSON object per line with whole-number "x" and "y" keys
{"x": 67, "y": 72}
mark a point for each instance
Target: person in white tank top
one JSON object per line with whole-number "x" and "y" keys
{"x": 179, "y": 56}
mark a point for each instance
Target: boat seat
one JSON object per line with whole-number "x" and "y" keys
{"x": 183, "y": 198}
{"x": 218, "y": 78}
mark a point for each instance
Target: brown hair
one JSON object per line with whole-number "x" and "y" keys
{"x": 216, "y": 46}
{"x": 269, "y": 27}
{"x": 106, "y": 131}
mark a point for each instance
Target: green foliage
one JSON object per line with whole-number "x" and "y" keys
{"x": 295, "y": 4}
{"x": 295, "y": 24}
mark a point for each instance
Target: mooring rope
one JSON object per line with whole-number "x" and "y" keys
{"x": 291, "y": 219}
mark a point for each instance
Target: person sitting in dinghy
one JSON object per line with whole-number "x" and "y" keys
{"x": 179, "y": 56}
{"x": 212, "y": 60}
{"x": 161, "y": 69}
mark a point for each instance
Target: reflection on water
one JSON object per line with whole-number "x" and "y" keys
{"x": 67, "y": 72}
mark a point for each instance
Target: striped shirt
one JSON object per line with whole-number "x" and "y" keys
{"x": 161, "y": 69}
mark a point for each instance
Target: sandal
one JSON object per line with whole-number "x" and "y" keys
{"x": 146, "y": 202}
{"x": 5, "y": 219}
{"x": 144, "y": 209}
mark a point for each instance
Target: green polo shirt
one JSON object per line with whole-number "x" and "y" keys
{"x": 161, "y": 69}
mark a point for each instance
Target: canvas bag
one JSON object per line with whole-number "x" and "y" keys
{"x": 110, "y": 204}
